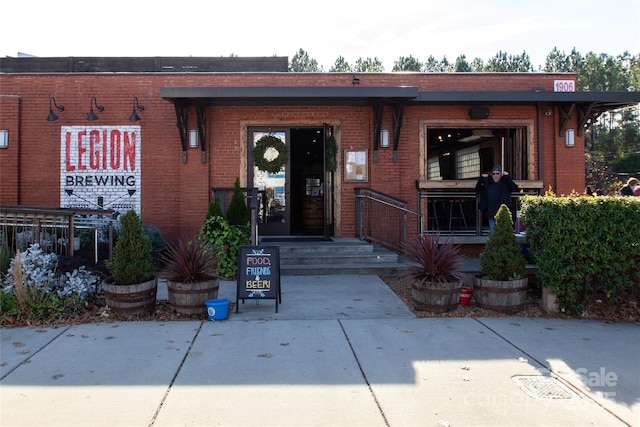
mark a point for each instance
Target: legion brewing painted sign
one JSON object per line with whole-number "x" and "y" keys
{"x": 100, "y": 167}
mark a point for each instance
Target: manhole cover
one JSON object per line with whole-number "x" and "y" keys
{"x": 542, "y": 387}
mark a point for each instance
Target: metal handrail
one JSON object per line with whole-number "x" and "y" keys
{"x": 384, "y": 219}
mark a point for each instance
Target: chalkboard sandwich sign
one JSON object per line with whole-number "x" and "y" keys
{"x": 258, "y": 274}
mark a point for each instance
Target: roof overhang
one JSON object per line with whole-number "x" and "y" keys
{"x": 274, "y": 95}
{"x": 619, "y": 99}
{"x": 588, "y": 105}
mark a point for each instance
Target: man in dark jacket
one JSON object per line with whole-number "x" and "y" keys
{"x": 495, "y": 192}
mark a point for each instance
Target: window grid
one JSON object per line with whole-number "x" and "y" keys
{"x": 468, "y": 163}
{"x": 433, "y": 168}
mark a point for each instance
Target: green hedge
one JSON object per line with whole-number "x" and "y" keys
{"x": 584, "y": 247}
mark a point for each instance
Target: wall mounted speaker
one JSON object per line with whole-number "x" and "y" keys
{"x": 479, "y": 113}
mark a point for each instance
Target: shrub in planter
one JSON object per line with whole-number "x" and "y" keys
{"x": 502, "y": 286}
{"x": 437, "y": 286}
{"x": 238, "y": 213}
{"x": 226, "y": 235}
{"x": 214, "y": 208}
{"x": 133, "y": 287}
{"x": 190, "y": 270}
{"x": 225, "y": 239}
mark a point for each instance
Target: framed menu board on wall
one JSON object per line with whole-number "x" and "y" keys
{"x": 355, "y": 165}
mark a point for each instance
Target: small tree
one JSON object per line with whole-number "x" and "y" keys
{"x": 226, "y": 235}
{"x": 214, "y": 208}
{"x": 502, "y": 258}
{"x": 238, "y": 214}
{"x": 132, "y": 261}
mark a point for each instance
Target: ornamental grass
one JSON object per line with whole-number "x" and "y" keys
{"x": 189, "y": 260}
{"x": 437, "y": 262}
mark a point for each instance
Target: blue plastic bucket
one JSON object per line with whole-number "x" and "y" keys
{"x": 217, "y": 309}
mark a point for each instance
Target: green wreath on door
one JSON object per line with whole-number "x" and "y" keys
{"x": 276, "y": 164}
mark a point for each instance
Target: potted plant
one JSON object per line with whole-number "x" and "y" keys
{"x": 226, "y": 235}
{"x": 133, "y": 285}
{"x": 438, "y": 284}
{"x": 190, "y": 270}
{"x": 502, "y": 286}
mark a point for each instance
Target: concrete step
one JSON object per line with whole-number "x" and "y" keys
{"x": 382, "y": 269}
{"x": 337, "y": 256}
{"x": 349, "y": 256}
{"x": 340, "y": 258}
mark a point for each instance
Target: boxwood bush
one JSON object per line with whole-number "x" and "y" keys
{"x": 584, "y": 247}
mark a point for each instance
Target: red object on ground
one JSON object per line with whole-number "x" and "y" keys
{"x": 465, "y": 296}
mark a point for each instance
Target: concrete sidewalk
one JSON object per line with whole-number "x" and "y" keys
{"x": 342, "y": 351}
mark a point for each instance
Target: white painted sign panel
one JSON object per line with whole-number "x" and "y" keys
{"x": 100, "y": 167}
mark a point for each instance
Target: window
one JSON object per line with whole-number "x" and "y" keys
{"x": 468, "y": 163}
{"x": 461, "y": 153}
{"x": 433, "y": 168}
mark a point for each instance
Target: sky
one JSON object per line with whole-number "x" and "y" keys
{"x": 325, "y": 30}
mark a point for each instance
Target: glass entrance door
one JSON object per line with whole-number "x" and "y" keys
{"x": 274, "y": 215}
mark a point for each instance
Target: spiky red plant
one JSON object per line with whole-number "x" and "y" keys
{"x": 437, "y": 262}
{"x": 188, "y": 260}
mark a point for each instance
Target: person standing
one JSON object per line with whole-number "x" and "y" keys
{"x": 495, "y": 192}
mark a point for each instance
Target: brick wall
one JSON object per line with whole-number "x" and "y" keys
{"x": 9, "y": 157}
{"x": 175, "y": 196}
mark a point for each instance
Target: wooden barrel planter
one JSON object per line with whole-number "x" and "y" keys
{"x": 506, "y": 296}
{"x": 189, "y": 298}
{"x": 436, "y": 297}
{"x": 129, "y": 300}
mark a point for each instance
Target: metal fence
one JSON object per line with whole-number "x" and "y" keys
{"x": 54, "y": 229}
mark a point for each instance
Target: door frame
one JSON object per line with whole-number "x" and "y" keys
{"x": 269, "y": 228}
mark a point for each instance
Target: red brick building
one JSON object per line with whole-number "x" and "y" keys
{"x": 417, "y": 137}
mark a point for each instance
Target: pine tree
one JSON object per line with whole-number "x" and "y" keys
{"x": 502, "y": 258}
{"x": 238, "y": 214}
{"x": 214, "y": 208}
{"x": 132, "y": 261}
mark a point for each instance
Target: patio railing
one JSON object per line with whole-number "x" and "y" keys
{"x": 53, "y": 228}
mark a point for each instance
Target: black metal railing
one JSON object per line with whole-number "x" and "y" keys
{"x": 456, "y": 213}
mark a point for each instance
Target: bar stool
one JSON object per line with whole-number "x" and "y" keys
{"x": 433, "y": 218}
{"x": 459, "y": 216}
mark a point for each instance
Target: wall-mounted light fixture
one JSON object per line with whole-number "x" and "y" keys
{"x": 355, "y": 81}
{"x": 384, "y": 138}
{"x": 193, "y": 138}
{"x": 569, "y": 138}
{"x": 4, "y": 139}
{"x": 91, "y": 116}
{"x": 548, "y": 112}
{"x": 134, "y": 117}
{"x": 53, "y": 116}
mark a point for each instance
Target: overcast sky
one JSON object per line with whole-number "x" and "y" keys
{"x": 324, "y": 29}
